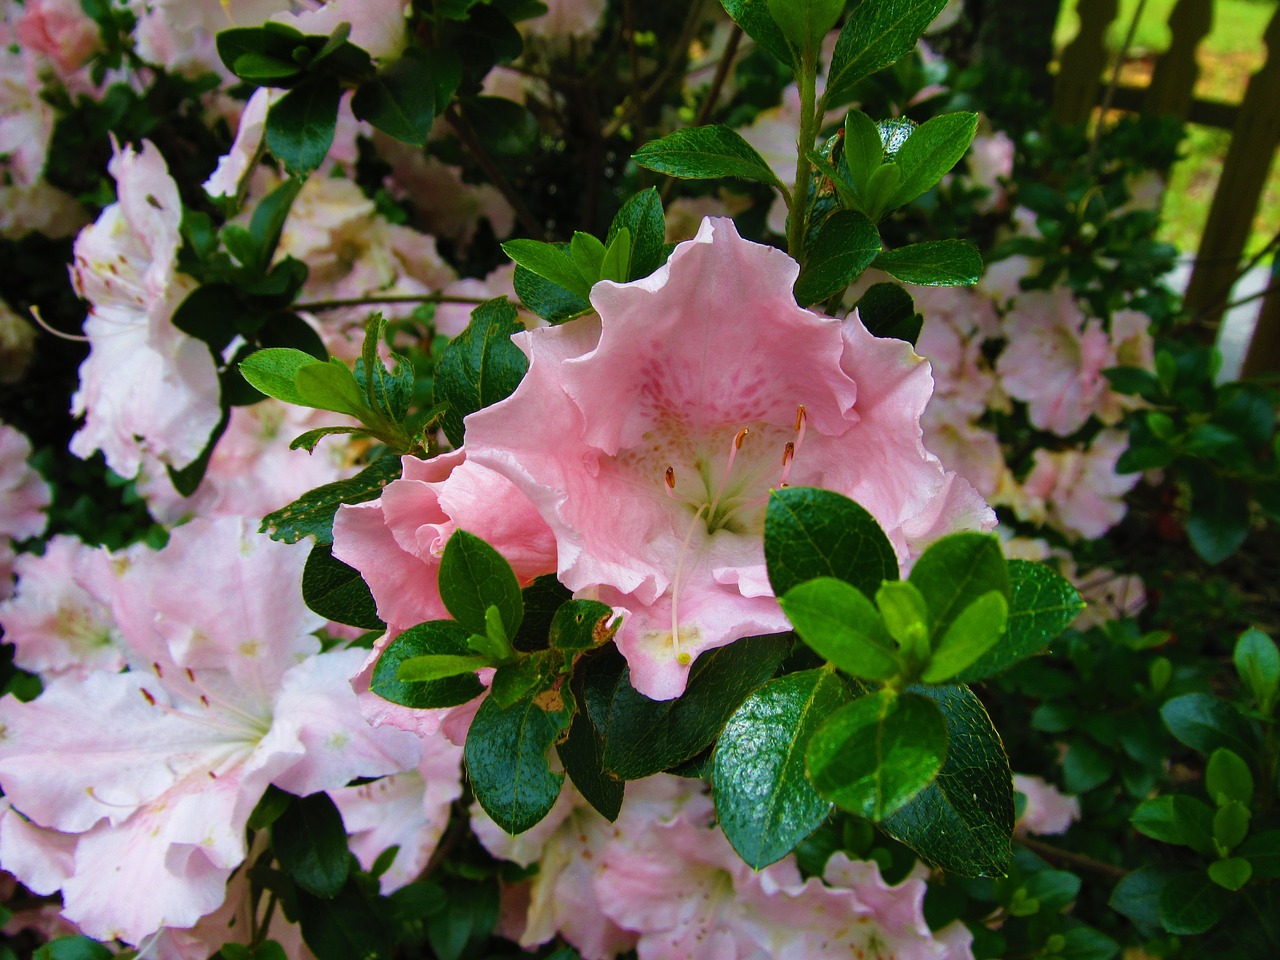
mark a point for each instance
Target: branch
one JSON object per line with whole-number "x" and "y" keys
{"x": 467, "y": 134}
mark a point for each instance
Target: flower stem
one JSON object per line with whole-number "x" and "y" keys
{"x": 808, "y": 82}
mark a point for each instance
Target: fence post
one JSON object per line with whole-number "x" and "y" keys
{"x": 1173, "y": 80}
{"x": 1083, "y": 62}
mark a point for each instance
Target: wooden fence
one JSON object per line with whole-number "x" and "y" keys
{"x": 1083, "y": 84}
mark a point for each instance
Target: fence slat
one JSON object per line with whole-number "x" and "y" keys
{"x": 1174, "y": 79}
{"x": 1083, "y": 62}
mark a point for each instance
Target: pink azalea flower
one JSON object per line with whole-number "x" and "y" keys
{"x": 233, "y": 168}
{"x": 649, "y": 439}
{"x": 60, "y": 30}
{"x": 156, "y": 770}
{"x": 1048, "y": 810}
{"x": 1054, "y": 360}
{"x": 566, "y": 18}
{"x": 23, "y": 498}
{"x": 146, "y": 386}
{"x": 26, "y": 120}
{"x": 59, "y": 620}
{"x": 377, "y": 26}
{"x": 1079, "y": 491}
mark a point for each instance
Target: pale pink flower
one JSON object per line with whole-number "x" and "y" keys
{"x": 179, "y": 34}
{"x": 23, "y": 498}
{"x": 1078, "y": 491}
{"x": 59, "y": 620}
{"x": 26, "y": 120}
{"x": 1054, "y": 360}
{"x": 39, "y": 207}
{"x": 377, "y": 26}
{"x": 990, "y": 164}
{"x": 972, "y": 451}
{"x": 146, "y": 386}
{"x": 452, "y": 318}
{"x": 1048, "y": 810}
{"x": 566, "y": 18}
{"x": 1109, "y": 595}
{"x": 446, "y": 205}
{"x": 60, "y": 30}
{"x": 157, "y": 769}
{"x": 408, "y": 810}
{"x": 234, "y": 168}
{"x": 649, "y": 439}
{"x": 956, "y": 321}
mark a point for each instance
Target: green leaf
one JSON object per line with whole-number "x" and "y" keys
{"x": 876, "y": 34}
{"x": 310, "y": 844}
{"x": 930, "y": 152}
{"x": 186, "y": 480}
{"x": 582, "y": 754}
{"x": 1219, "y": 519}
{"x": 337, "y": 591}
{"x": 615, "y": 264}
{"x": 1205, "y": 723}
{"x": 934, "y": 263}
{"x": 267, "y": 223}
{"x": 842, "y": 625}
{"x": 1230, "y": 825}
{"x": 311, "y": 515}
{"x": 962, "y": 822}
{"x": 812, "y": 533}
{"x": 438, "y": 666}
{"x": 528, "y": 676}
{"x": 1178, "y": 819}
{"x": 390, "y": 392}
{"x": 642, "y": 217}
{"x": 72, "y": 948}
{"x": 345, "y": 927}
{"x": 642, "y": 737}
{"x": 1190, "y": 903}
{"x": 436, "y": 637}
{"x": 873, "y": 755}
{"x": 805, "y": 22}
{"x": 879, "y": 191}
{"x": 863, "y": 149}
{"x": 505, "y": 127}
{"x": 954, "y": 572}
{"x": 581, "y": 625}
{"x": 763, "y": 801}
{"x": 587, "y": 253}
{"x": 975, "y": 631}
{"x": 845, "y": 246}
{"x": 329, "y": 386}
{"x": 1258, "y": 662}
{"x": 400, "y": 101}
{"x": 549, "y": 300}
{"x": 757, "y": 22}
{"x": 1262, "y": 850}
{"x": 1230, "y": 874}
{"x": 274, "y": 371}
{"x": 906, "y": 617}
{"x": 703, "y": 153}
{"x": 1227, "y": 778}
{"x": 554, "y": 262}
{"x": 1137, "y": 896}
{"x": 300, "y": 124}
{"x": 474, "y": 577}
{"x": 480, "y": 366}
{"x": 506, "y": 757}
{"x": 1042, "y": 604}
{"x": 887, "y": 310}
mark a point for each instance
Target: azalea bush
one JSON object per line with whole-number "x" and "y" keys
{"x": 488, "y": 479}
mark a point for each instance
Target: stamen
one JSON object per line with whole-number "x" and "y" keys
{"x": 670, "y": 478}
{"x": 682, "y": 657}
{"x": 734, "y": 447}
{"x": 802, "y": 420}
{"x": 788, "y": 457}
{"x": 146, "y": 695}
{"x": 35, "y": 314}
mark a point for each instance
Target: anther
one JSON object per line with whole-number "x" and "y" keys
{"x": 670, "y": 477}
{"x": 191, "y": 676}
{"x": 741, "y": 435}
{"x": 146, "y": 695}
{"x": 156, "y": 668}
{"x": 800, "y": 417}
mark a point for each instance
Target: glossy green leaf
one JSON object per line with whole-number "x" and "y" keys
{"x": 1178, "y": 819}
{"x": 1230, "y": 874}
{"x": 863, "y": 150}
{"x": 757, "y": 22}
{"x": 874, "y": 754}
{"x": 312, "y": 513}
{"x": 474, "y": 577}
{"x": 1219, "y": 519}
{"x": 1231, "y": 825}
{"x": 1042, "y": 604}
{"x": 437, "y": 666}
{"x": 338, "y": 592}
{"x": 1137, "y": 895}
{"x": 842, "y": 625}
{"x": 1262, "y": 850}
{"x": 554, "y": 262}
{"x": 812, "y": 533}
{"x": 274, "y": 371}
{"x": 906, "y": 616}
{"x": 582, "y": 754}
{"x": 805, "y": 22}
{"x": 551, "y": 301}
{"x": 702, "y": 153}
{"x": 962, "y": 822}
{"x": 506, "y": 757}
{"x": 1191, "y": 903}
{"x": 329, "y": 386}
{"x": 764, "y": 803}
{"x": 887, "y": 310}
{"x": 581, "y": 625}
{"x": 930, "y": 152}
{"x": 954, "y": 572}
{"x": 975, "y": 631}
{"x": 505, "y": 127}
{"x": 934, "y": 263}
{"x": 310, "y": 844}
{"x": 401, "y": 100}
{"x": 528, "y": 676}
{"x": 435, "y": 637}
{"x": 267, "y": 223}
{"x": 390, "y": 392}
{"x": 1205, "y": 723}
{"x": 642, "y": 737}
{"x": 480, "y": 366}
{"x": 346, "y": 926}
{"x": 615, "y": 265}
{"x": 1227, "y": 778}
{"x": 300, "y": 125}
{"x": 845, "y": 246}
{"x": 1257, "y": 661}
{"x": 70, "y": 948}
{"x": 642, "y": 217}
{"x": 876, "y": 34}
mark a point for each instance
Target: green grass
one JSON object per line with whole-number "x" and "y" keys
{"x": 1228, "y": 56}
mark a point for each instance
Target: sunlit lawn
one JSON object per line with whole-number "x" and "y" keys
{"x": 1231, "y": 52}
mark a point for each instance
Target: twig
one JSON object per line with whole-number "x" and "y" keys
{"x": 316, "y": 306}
{"x": 1114, "y": 82}
{"x": 634, "y": 104}
{"x": 467, "y": 134}
{"x": 1075, "y": 859}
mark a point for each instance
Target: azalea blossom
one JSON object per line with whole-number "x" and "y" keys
{"x": 649, "y": 437}
{"x": 1048, "y": 810}
{"x": 145, "y": 779}
{"x": 1078, "y": 491}
{"x": 23, "y": 498}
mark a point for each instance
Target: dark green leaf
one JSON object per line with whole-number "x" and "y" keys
{"x": 930, "y": 152}
{"x": 845, "y": 245}
{"x": 1227, "y": 777}
{"x": 1219, "y": 520}
{"x": 504, "y": 126}
{"x": 506, "y": 756}
{"x": 1190, "y": 903}
{"x": 1137, "y": 896}
{"x": 345, "y": 927}
{"x": 1262, "y": 850}
{"x": 954, "y": 572}
{"x": 816, "y": 533}
{"x": 702, "y": 153}
{"x": 312, "y": 513}
{"x": 1257, "y": 661}
{"x": 554, "y": 262}
{"x": 757, "y": 23}
{"x": 934, "y": 263}
{"x": 863, "y": 149}
{"x": 528, "y": 676}
{"x": 267, "y": 223}
{"x": 1176, "y": 818}
{"x": 643, "y": 737}
{"x": 805, "y": 22}
{"x": 1042, "y": 605}
{"x": 763, "y": 801}
{"x": 270, "y": 808}
{"x": 582, "y": 624}
{"x": 842, "y": 625}
{"x": 1231, "y": 873}
{"x": 400, "y": 101}
{"x": 310, "y": 844}
{"x": 465, "y": 924}
{"x": 642, "y": 217}
{"x": 876, "y": 34}
{"x": 963, "y": 821}
{"x": 542, "y": 599}
{"x": 300, "y": 124}
{"x": 1205, "y": 723}
{"x": 480, "y": 366}
{"x": 549, "y": 300}
{"x": 72, "y": 948}
{"x": 887, "y": 310}
{"x": 433, "y": 637}
{"x": 337, "y": 591}
{"x": 582, "y": 754}
{"x": 474, "y": 577}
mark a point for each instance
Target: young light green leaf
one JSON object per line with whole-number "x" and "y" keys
{"x": 1230, "y": 874}
{"x": 587, "y": 253}
{"x": 874, "y": 35}
{"x": 616, "y": 263}
{"x": 551, "y": 262}
{"x": 930, "y": 152}
{"x": 934, "y": 263}
{"x": 845, "y": 246}
{"x": 1227, "y": 777}
{"x": 805, "y": 22}
{"x": 906, "y": 616}
{"x": 863, "y": 149}
{"x": 330, "y": 386}
{"x": 703, "y": 153}
{"x": 975, "y": 631}
{"x": 474, "y": 577}
{"x": 840, "y": 623}
{"x": 274, "y": 371}
{"x": 437, "y": 666}
{"x": 1176, "y": 818}
{"x": 436, "y": 637}
{"x": 764, "y": 803}
{"x": 480, "y": 366}
{"x": 642, "y": 216}
{"x": 955, "y": 571}
{"x": 873, "y": 755}
{"x": 300, "y": 125}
